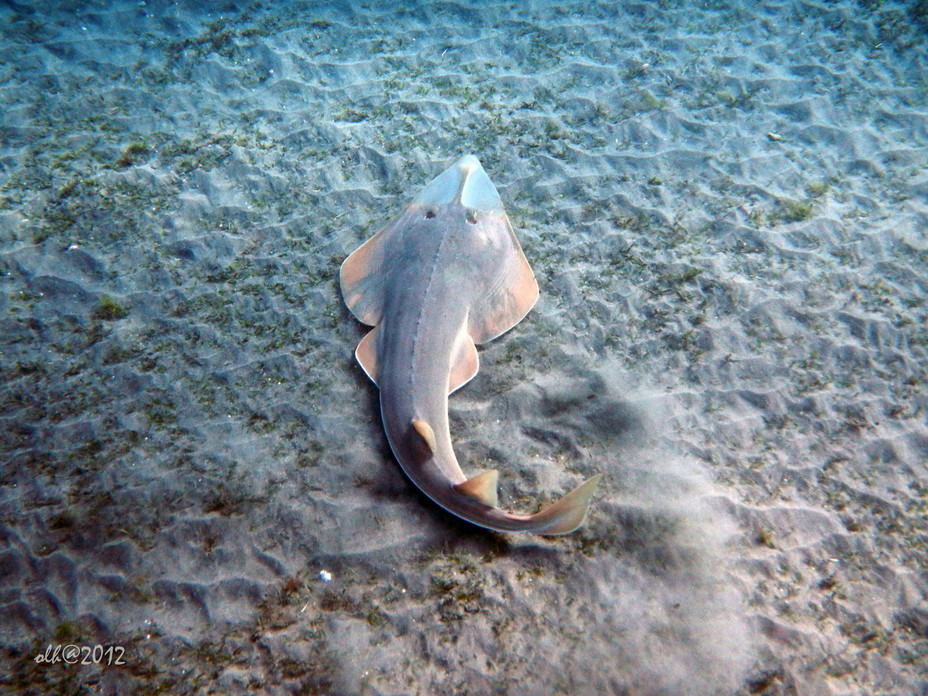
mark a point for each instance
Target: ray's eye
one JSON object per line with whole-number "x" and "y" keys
{"x": 472, "y": 217}
{"x": 429, "y": 214}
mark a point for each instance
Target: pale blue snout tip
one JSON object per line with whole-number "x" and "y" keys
{"x": 465, "y": 182}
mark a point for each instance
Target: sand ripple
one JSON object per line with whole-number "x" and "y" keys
{"x": 725, "y": 208}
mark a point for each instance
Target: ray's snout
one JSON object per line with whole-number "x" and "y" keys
{"x": 465, "y": 183}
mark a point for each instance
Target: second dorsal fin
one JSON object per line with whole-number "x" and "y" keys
{"x": 481, "y": 487}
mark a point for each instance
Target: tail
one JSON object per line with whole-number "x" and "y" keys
{"x": 477, "y": 504}
{"x": 476, "y": 499}
{"x": 569, "y": 513}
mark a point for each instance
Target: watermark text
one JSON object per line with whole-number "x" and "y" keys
{"x": 71, "y": 654}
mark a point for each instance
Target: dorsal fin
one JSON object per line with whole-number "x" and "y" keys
{"x": 424, "y": 430}
{"x": 481, "y": 487}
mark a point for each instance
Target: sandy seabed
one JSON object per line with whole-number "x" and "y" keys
{"x": 726, "y": 208}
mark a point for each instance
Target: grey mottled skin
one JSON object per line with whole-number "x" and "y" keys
{"x": 447, "y": 273}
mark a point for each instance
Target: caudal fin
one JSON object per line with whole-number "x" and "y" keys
{"x": 568, "y": 513}
{"x": 475, "y": 500}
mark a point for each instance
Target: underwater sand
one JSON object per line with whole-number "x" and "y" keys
{"x": 726, "y": 208}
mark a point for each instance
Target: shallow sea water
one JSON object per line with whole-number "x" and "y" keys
{"x": 725, "y": 205}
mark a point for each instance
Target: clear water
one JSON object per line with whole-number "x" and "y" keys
{"x": 725, "y": 207}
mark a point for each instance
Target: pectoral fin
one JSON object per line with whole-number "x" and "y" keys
{"x": 512, "y": 292}
{"x": 481, "y": 487}
{"x": 361, "y": 278}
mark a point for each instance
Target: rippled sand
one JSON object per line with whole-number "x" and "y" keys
{"x": 726, "y": 210}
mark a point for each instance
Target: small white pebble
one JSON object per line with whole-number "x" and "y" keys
{"x": 325, "y": 575}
